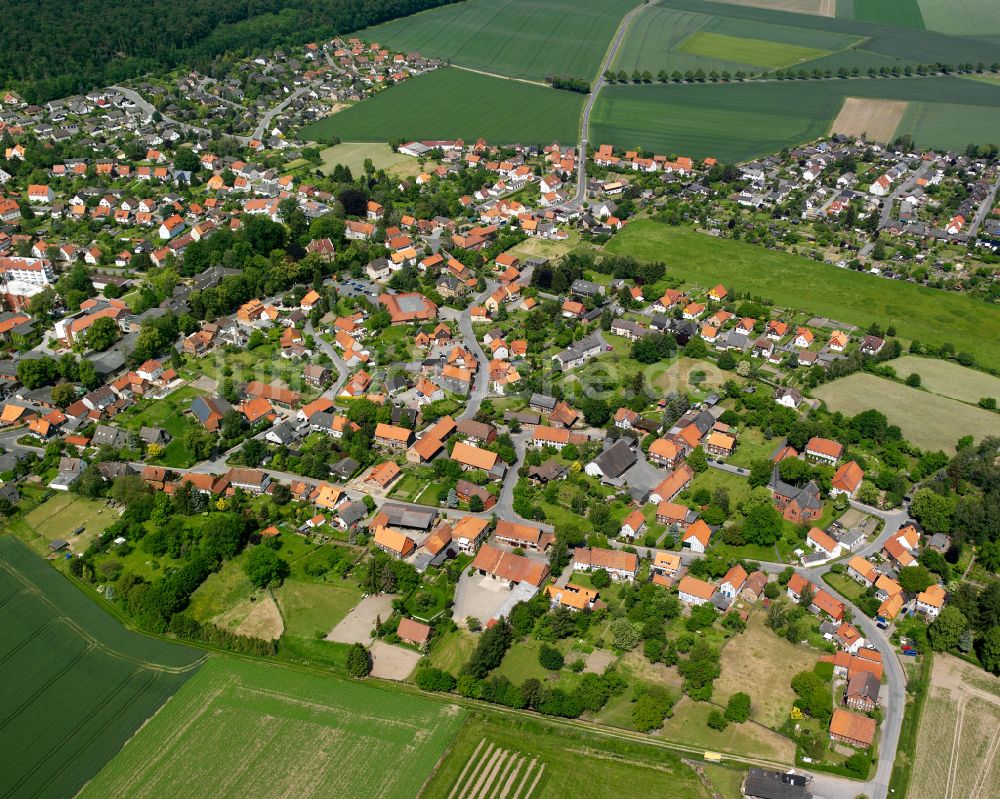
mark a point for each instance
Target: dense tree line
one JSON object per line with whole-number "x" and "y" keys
{"x": 58, "y": 48}
{"x": 571, "y": 84}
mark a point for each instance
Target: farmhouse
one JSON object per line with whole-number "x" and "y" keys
{"x": 393, "y": 542}
{"x": 613, "y": 462}
{"x": 666, "y": 564}
{"x": 697, "y": 536}
{"x": 692, "y": 591}
{"x": 931, "y": 601}
{"x": 620, "y": 565}
{"x": 862, "y": 571}
{"x": 824, "y": 450}
{"x": 847, "y": 479}
{"x": 572, "y": 596}
{"x": 862, "y": 691}
{"x": 822, "y": 543}
{"x": 633, "y": 524}
{"x": 469, "y": 532}
{"x": 508, "y": 568}
{"x": 852, "y": 729}
{"x": 522, "y": 536}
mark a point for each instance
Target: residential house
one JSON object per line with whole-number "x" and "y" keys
{"x": 692, "y": 591}
{"x": 620, "y": 565}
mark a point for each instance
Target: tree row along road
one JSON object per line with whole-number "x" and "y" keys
{"x": 588, "y": 106}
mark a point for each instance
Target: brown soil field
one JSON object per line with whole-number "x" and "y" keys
{"x": 876, "y": 120}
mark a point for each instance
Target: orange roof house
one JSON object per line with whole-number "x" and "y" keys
{"x": 508, "y": 567}
{"x": 852, "y": 728}
{"x": 393, "y": 542}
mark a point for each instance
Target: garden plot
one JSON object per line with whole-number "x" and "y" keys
{"x": 495, "y": 773}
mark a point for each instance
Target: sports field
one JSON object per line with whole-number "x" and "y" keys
{"x": 758, "y": 52}
{"x": 736, "y": 122}
{"x": 515, "y": 38}
{"x": 453, "y": 103}
{"x": 949, "y": 379}
{"x": 242, "y": 729}
{"x": 928, "y": 420}
{"x": 74, "y": 684}
{"x": 932, "y": 316}
{"x": 567, "y": 761}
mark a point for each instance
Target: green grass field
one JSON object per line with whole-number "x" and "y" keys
{"x": 949, "y": 379}
{"x": 353, "y": 156}
{"x": 757, "y": 52}
{"x": 513, "y": 38}
{"x": 737, "y": 122}
{"x": 62, "y": 514}
{"x": 961, "y": 17}
{"x": 932, "y": 316}
{"x": 452, "y": 103}
{"x": 574, "y": 762}
{"x": 250, "y": 729}
{"x": 74, "y": 684}
{"x": 929, "y": 421}
{"x": 890, "y": 12}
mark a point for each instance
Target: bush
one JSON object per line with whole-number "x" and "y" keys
{"x": 738, "y": 708}
{"x": 431, "y": 679}
{"x": 359, "y": 661}
{"x": 600, "y": 579}
{"x": 858, "y": 764}
{"x": 772, "y": 591}
{"x": 623, "y": 634}
{"x": 550, "y": 658}
{"x": 717, "y": 721}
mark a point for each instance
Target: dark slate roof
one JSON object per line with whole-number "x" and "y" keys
{"x": 616, "y": 459}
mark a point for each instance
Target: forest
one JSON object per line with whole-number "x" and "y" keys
{"x": 62, "y": 47}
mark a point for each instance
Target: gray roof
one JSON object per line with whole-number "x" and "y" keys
{"x": 107, "y": 436}
{"x": 344, "y": 468}
{"x": 414, "y": 518}
{"x": 616, "y": 459}
{"x": 352, "y": 512}
{"x": 762, "y": 784}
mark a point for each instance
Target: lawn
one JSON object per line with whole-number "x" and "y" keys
{"x": 688, "y": 725}
{"x": 573, "y": 762}
{"x": 514, "y": 38}
{"x": 74, "y": 684}
{"x": 756, "y": 52}
{"x": 800, "y": 283}
{"x": 762, "y": 664}
{"x": 354, "y": 154}
{"x": 740, "y": 121}
{"x": 251, "y": 729}
{"x": 521, "y": 662}
{"x": 310, "y": 608}
{"x": 170, "y": 413}
{"x": 711, "y": 479}
{"x": 928, "y": 420}
{"x": 751, "y": 446}
{"x": 452, "y": 650}
{"x": 64, "y": 512}
{"x": 850, "y": 589}
{"x": 453, "y": 103}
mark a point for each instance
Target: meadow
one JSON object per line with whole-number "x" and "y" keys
{"x": 928, "y": 420}
{"x": 453, "y": 103}
{"x": 793, "y": 281}
{"x": 573, "y": 762}
{"x": 949, "y": 379}
{"x": 251, "y": 729}
{"x": 354, "y": 154}
{"x": 699, "y": 120}
{"x": 61, "y": 516}
{"x": 513, "y": 38}
{"x": 74, "y": 684}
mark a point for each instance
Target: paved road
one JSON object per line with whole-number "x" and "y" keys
{"x": 984, "y": 208}
{"x": 258, "y": 132}
{"x": 581, "y": 170}
{"x": 481, "y": 384}
{"x": 150, "y": 109}
{"x": 889, "y": 202}
{"x": 343, "y": 370}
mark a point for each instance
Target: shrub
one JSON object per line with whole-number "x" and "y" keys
{"x": 550, "y": 658}
{"x": 717, "y": 721}
{"x": 431, "y": 679}
{"x": 600, "y": 579}
{"x": 359, "y": 661}
{"x": 738, "y": 708}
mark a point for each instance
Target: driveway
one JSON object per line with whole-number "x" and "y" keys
{"x": 356, "y": 627}
{"x": 479, "y": 597}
